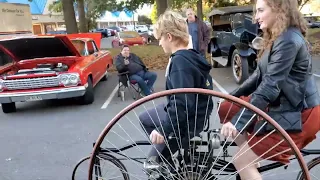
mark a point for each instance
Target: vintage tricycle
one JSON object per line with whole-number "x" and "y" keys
{"x": 124, "y": 145}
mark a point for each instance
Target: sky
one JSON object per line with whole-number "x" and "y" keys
{"x": 145, "y": 10}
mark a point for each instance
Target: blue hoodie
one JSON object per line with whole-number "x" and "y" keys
{"x": 188, "y": 69}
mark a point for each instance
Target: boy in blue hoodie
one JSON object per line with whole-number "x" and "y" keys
{"x": 187, "y": 68}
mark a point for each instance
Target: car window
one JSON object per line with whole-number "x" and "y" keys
{"x": 96, "y": 49}
{"x": 90, "y": 47}
{"x": 80, "y": 46}
{"x": 4, "y": 58}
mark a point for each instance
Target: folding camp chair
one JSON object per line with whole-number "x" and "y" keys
{"x": 126, "y": 83}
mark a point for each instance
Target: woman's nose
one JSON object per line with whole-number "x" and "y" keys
{"x": 256, "y": 17}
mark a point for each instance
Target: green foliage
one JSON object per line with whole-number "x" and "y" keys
{"x": 55, "y": 6}
{"x": 144, "y": 20}
{"x": 224, "y": 3}
{"x": 131, "y": 5}
{"x": 153, "y": 15}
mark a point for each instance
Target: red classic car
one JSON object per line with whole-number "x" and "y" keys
{"x": 50, "y": 67}
{"x": 130, "y": 38}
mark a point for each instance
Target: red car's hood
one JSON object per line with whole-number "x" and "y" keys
{"x": 35, "y": 47}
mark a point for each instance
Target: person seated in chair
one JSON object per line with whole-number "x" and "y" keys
{"x": 138, "y": 72}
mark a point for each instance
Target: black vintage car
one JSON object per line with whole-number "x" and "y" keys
{"x": 231, "y": 42}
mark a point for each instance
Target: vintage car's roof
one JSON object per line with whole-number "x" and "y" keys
{"x": 231, "y": 10}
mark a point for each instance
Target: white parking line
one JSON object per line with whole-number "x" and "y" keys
{"x": 105, "y": 105}
{"x": 219, "y": 86}
{"x": 317, "y": 75}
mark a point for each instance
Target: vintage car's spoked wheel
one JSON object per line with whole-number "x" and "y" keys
{"x": 240, "y": 67}
{"x": 202, "y": 156}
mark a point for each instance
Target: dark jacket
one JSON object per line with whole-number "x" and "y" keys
{"x": 188, "y": 69}
{"x": 121, "y": 67}
{"x": 203, "y": 35}
{"x": 283, "y": 82}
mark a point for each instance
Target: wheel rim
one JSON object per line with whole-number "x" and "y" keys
{"x": 237, "y": 67}
{"x": 202, "y": 91}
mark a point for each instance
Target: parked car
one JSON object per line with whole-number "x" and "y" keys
{"x": 104, "y": 32}
{"x": 231, "y": 42}
{"x": 57, "y": 32}
{"x": 50, "y": 67}
{"x": 116, "y": 28}
{"x": 131, "y": 38}
{"x": 314, "y": 25}
{"x": 141, "y": 28}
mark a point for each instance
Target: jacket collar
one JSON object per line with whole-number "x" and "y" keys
{"x": 196, "y": 19}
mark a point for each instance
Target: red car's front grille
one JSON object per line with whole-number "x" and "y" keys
{"x": 31, "y": 83}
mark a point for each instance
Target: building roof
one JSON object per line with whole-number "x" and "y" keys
{"x": 36, "y": 6}
{"x": 118, "y": 16}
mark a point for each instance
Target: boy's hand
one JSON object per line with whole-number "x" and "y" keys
{"x": 229, "y": 129}
{"x": 156, "y": 138}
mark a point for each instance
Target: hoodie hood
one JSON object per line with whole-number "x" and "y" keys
{"x": 195, "y": 58}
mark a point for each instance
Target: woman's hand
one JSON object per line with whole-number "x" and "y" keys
{"x": 228, "y": 129}
{"x": 156, "y": 137}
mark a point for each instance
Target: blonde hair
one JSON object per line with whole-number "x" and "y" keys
{"x": 173, "y": 23}
{"x": 288, "y": 15}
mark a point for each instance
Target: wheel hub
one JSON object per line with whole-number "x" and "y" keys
{"x": 237, "y": 70}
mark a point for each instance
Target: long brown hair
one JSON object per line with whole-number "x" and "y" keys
{"x": 287, "y": 15}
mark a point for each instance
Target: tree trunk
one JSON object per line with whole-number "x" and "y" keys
{"x": 69, "y": 16}
{"x": 169, "y": 3}
{"x": 199, "y": 9}
{"x": 82, "y": 16}
{"x": 161, "y": 7}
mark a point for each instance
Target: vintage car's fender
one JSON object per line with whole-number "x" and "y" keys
{"x": 213, "y": 48}
{"x": 244, "y": 49}
{"x": 86, "y": 67}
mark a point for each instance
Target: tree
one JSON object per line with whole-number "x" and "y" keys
{"x": 153, "y": 15}
{"x": 301, "y": 3}
{"x": 144, "y": 19}
{"x": 69, "y": 16}
{"x": 161, "y": 7}
{"x": 82, "y": 16}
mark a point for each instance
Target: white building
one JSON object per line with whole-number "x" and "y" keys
{"x": 117, "y": 19}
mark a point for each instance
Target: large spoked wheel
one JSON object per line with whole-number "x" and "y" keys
{"x": 195, "y": 149}
{"x": 314, "y": 168}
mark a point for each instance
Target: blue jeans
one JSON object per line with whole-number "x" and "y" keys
{"x": 141, "y": 77}
{"x": 153, "y": 119}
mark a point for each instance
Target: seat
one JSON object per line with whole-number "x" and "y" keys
{"x": 125, "y": 83}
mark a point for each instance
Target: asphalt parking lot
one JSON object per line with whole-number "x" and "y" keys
{"x": 44, "y": 140}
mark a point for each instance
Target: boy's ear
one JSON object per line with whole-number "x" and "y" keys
{"x": 169, "y": 37}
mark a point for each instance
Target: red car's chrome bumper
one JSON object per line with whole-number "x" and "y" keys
{"x": 37, "y": 95}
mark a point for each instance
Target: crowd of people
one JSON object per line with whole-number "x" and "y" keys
{"x": 282, "y": 84}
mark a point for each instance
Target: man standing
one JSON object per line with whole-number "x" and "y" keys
{"x": 127, "y": 61}
{"x": 199, "y": 32}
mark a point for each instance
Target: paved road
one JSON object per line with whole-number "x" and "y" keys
{"x": 106, "y": 42}
{"x": 44, "y": 140}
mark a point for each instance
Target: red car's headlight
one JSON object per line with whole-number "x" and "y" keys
{"x": 69, "y": 79}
